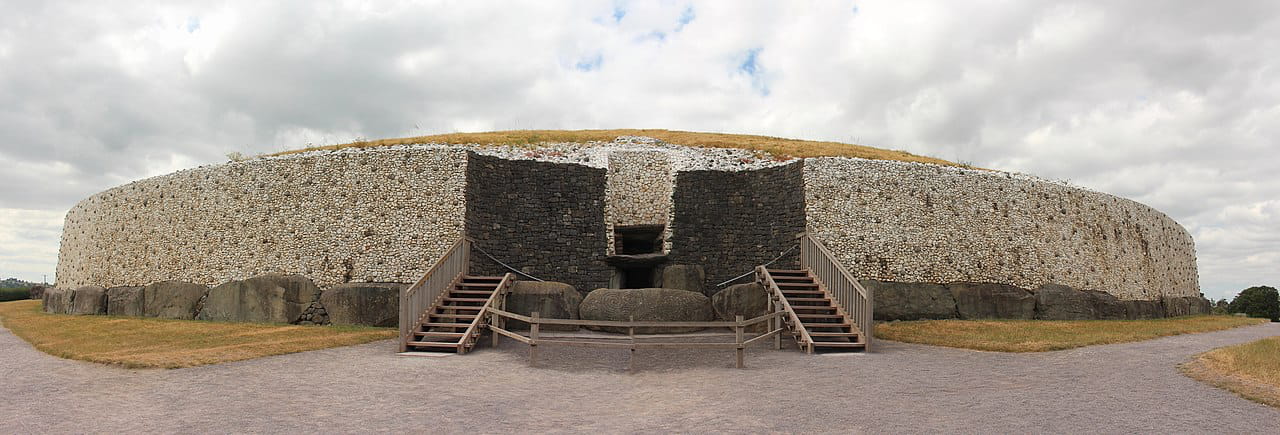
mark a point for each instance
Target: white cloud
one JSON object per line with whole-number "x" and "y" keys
{"x": 1175, "y": 106}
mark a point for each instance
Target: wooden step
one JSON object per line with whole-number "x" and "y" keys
{"x": 477, "y": 285}
{"x": 446, "y": 325}
{"x": 480, "y": 300}
{"x": 471, "y": 292}
{"x": 813, "y": 308}
{"x": 453, "y": 316}
{"x": 788, "y": 293}
{"x": 442, "y": 334}
{"x": 493, "y": 279}
{"x": 796, "y": 284}
{"x": 819, "y": 316}
{"x": 460, "y": 307}
{"x": 788, "y": 272}
{"x": 838, "y": 344}
{"x": 828, "y": 325}
{"x": 433, "y": 344}
{"x": 793, "y": 300}
{"x": 833, "y": 334}
{"x": 792, "y": 278}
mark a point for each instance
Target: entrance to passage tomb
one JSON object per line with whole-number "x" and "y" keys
{"x": 638, "y": 255}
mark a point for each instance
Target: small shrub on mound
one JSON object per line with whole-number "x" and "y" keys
{"x": 1261, "y": 301}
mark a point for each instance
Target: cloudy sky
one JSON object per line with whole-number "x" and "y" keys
{"x": 1174, "y": 104}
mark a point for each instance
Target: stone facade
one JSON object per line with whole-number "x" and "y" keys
{"x": 545, "y": 219}
{"x": 384, "y": 215}
{"x": 729, "y": 222}
{"x": 374, "y": 216}
{"x": 904, "y": 222}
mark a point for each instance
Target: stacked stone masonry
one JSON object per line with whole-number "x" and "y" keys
{"x": 385, "y": 214}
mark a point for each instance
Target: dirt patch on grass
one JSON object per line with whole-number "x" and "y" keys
{"x": 1251, "y": 370}
{"x": 776, "y": 146}
{"x": 164, "y": 343}
{"x": 1048, "y": 335}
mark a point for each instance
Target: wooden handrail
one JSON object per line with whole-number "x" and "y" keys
{"x": 776, "y": 293}
{"x": 447, "y": 270}
{"x": 849, "y": 295}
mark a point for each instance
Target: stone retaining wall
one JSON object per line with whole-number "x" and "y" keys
{"x": 372, "y": 216}
{"x": 729, "y": 222}
{"x": 903, "y": 222}
{"x": 546, "y": 219}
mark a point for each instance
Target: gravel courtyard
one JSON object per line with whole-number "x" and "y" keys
{"x": 1132, "y": 387}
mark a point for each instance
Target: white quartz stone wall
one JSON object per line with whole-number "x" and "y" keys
{"x": 910, "y": 222}
{"x": 370, "y": 216}
{"x": 639, "y": 190}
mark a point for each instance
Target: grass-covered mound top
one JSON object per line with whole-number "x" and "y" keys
{"x": 780, "y": 147}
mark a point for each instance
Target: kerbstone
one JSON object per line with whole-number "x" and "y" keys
{"x": 992, "y": 301}
{"x": 371, "y": 304}
{"x": 261, "y": 299}
{"x": 125, "y": 301}
{"x": 551, "y": 300}
{"x": 89, "y": 300}
{"x": 911, "y": 301}
{"x": 172, "y": 299}
{"x": 1059, "y": 302}
{"x": 646, "y": 304}
{"x": 684, "y": 277}
{"x": 748, "y": 300}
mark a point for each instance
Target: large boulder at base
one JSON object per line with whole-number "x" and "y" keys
{"x": 552, "y": 300}
{"x": 262, "y": 299}
{"x": 89, "y": 300}
{"x": 372, "y": 304}
{"x": 646, "y": 304}
{"x": 172, "y": 299}
{"x": 1140, "y": 309}
{"x": 1059, "y": 302}
{"x": 748, "y": 300}
{"x": 684, "y": 277}
{"x": 37, "y": 292}
{"x": 1106, "y": 306}
{"x": 1201, "y": 305}
{"x": 125, "y": 301}
{"x": 992, "y": 301}
{"x": 57, "y": 300}
{"x": 1175, "y": 306}
{"x": 911, "y": 301}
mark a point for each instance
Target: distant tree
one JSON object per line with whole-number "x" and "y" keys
{"x": 1261, "y": 301}
{"x": 1220, "y": 307}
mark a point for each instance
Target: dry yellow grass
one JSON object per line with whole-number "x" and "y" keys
{"x": 1251, "y": 370}
{"x": 779, "y": 147}
{"x": 162, "y": 343}
{"x": 1047, "y": 335}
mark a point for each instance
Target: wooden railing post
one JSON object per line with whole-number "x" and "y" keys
{"x": 738, "y": 330}
{"x": 631, "y": 334}
{"x": 533, "y": 339}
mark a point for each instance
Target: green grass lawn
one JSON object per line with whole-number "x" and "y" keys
{"x": 142, "y": 342}
{"x": 1047, "y": 335}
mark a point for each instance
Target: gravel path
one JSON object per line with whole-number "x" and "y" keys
{"x": 1132, "y": 387}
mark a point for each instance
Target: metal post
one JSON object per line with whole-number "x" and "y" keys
{"x": 631, "y": 333}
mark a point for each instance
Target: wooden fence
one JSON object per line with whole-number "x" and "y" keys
{"x": 535, "y": 339}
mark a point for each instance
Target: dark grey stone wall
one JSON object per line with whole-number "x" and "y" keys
{"x": 975, "y": 300}
{"x": 730, "y": 222}
{"x": 546, "y": 219}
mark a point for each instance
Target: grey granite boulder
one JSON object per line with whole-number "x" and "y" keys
{"x": 646, "y": 304}
{"x": 371, "y": 304}
{"x": 262, "y": 299}
{"x": 125, "y": 301}
{"x": 911, "y": 301}
{"x": 684, "y": 277}
{"x": 1107, "y": 307}
{"x": 992, "y": 301}
{"x": 552, "y": 300}
{"x": 747, "y": 300}
{"x": 57, "y": 300}
{"x": 1175, "y": 306}
{"x": 1140, "y": 309}
{"x": 172, "y": 299}
{"x": 1059, "y": 302}
{"x": 89, "y": 300}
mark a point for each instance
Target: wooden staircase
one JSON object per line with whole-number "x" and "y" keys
{"x": 816, "y": 319}
{"x": 455, "y": 321}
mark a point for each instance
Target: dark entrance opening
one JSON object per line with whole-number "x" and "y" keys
{"x": 638, "y": 253}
